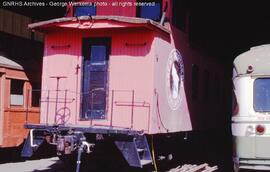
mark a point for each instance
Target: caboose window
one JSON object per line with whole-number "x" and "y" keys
{"x": 85, "y": 11}
{"x": 261, "y": 95}
{"x": 35, "y": 94}
{"x": 16, "y": 92}
{"x": 149, "y": 9}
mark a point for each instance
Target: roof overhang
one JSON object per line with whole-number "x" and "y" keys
{"x": 7, "y": 63}
{"x": 97, "y": 22}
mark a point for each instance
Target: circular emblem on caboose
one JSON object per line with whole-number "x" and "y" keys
{"x": 174, "y": 78}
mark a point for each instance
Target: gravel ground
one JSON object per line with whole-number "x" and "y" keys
{"x": 45, "y": 165}
{"x": 42, "y": 165}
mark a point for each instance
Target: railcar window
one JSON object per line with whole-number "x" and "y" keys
{"x": 195, "y": 81}
{"x": 35, "y": 94}
{"x": 261, "y": 95}
{"x": 16, "y": 92}
{"x": 85, "y": 11}
{"x": 149, "y": 9}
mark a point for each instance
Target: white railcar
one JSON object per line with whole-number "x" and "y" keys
{"x": 251, "y": 109}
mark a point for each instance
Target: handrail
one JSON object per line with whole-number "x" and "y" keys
{"x": 66, "y": 97}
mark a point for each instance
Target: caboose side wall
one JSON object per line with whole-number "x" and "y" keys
{"x": 130, "y": 68}
{"x": 169, "y": 115}
{"x": 205, "y": 108}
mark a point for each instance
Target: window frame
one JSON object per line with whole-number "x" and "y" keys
{"x": 258, "y": 111}
{"x": 22, "y": 94}
{"x": 35, "y": 90}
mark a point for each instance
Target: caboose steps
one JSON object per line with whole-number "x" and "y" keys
{"x": 135, "y": 151}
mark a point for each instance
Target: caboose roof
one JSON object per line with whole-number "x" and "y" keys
{"x": 7, "y": 63}
{"x": 257, "y": 57}
{"x": 88, "y": 22}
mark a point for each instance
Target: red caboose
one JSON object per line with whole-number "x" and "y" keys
{"x": 14, "y": 103}
{"x": 114, "y": 70}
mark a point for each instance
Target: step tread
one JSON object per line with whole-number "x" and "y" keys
{"x": 140, "y": 150}
{"x": 145, "y": 161}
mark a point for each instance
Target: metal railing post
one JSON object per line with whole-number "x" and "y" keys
{"x": 132, "y": 109}
{"x": 27, "y": 104}
{"x": 48, "y": 103}
{"x": 111, "y": 122}
{"x": 65, "y": 106}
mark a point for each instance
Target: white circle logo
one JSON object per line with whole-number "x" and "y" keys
{"x": 174, "y": 78}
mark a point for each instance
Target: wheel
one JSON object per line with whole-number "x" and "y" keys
{"x": 236, "y": 167}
